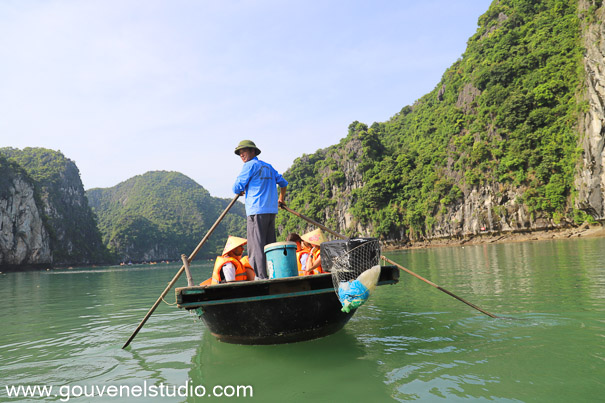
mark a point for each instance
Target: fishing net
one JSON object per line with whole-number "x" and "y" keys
{"x": 350, "y": 263}
{"x": 355, "y": 272}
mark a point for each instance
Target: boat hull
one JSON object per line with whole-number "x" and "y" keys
{"x": 276, "y": 311}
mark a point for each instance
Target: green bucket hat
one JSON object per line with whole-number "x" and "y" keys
{"x": 246, "y": 144}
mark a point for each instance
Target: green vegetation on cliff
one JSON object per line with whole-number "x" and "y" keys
{"x": 74, "y": 237}
{"x": 504, "y": 116}
{"x": 160, "y": 215}
{"x": 8, "y": 171}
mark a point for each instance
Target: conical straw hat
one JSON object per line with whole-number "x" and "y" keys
{"x": 233, "y": 242}
{"x": 314, "y": 237}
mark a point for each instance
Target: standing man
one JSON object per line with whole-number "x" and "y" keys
{"x": 259, "y": 181}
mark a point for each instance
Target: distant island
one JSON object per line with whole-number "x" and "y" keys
{"x": 160, "y": 215}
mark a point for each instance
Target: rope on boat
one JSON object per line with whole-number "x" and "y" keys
{"x": 168, "y": 303}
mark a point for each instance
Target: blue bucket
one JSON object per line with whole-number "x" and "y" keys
{"x": 281, "y": 259}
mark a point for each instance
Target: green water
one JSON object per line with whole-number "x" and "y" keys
{"x": 65, "y": 329}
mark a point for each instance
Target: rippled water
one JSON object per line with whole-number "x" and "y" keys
{"x": 65, "y": 328}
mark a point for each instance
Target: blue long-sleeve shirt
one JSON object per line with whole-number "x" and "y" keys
{"x": 259, "y": 179}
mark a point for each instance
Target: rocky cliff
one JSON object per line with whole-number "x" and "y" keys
{"x": 46, "y": 197}
{"x": 498, "y": 207}
{"x": 24, "y": 240}
{"x": 590, "y": 180}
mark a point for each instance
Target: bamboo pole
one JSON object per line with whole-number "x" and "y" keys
{"x": 178, "y": 274}
{"x": 187, "y": 271}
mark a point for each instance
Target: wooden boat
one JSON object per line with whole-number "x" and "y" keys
{"x": 283, "y": 310}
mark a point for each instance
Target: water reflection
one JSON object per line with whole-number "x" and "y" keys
{"x": 507, "y": 276}
{"x": 440, "y": 348}
{"x": 334, "y": 368}
{"x": 434, "y": 355}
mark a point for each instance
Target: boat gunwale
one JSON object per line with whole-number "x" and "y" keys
{"x": 193, "y": 305}
{"x": 265, "y": 289}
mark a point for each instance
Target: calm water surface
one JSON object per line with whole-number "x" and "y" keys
{"x": 65, "y": 329}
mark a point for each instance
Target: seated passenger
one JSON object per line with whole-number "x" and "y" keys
{"x": 249, "y": 270}
{"x": 230, "y": 266}
{"x": 302, "y": 252}
{"x": 313, "y": 264}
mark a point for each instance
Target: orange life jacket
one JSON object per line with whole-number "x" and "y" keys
{"x": 246, "y": 262}
{"x": 318, "y": 269}
{"x": 240, "y": 271}
{"x": 248, "y": 268}
{"x": 299, "y": 254}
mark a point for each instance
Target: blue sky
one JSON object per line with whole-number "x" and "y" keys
{"x": 125, "y": 87}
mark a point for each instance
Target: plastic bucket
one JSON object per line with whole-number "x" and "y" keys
{"x": 281, "y": 259}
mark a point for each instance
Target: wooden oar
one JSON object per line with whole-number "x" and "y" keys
{"x": 178, "y": 274}
{"x": 438, "y": 287}
{"x": 323, "y": 227}
{"x": 393, "y": 263}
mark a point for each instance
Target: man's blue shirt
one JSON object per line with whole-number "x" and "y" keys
{"x": 259, "y": 179}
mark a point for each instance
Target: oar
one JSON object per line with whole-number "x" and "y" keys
{"x": 323, "y": 227}
{"x": 438, "y": 287}
{"x": 178, "y": 274}
{"x": 393, "y": 263}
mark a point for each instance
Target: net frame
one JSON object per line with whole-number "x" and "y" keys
{"x": 348, "y": 266}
